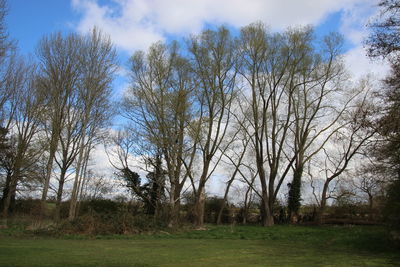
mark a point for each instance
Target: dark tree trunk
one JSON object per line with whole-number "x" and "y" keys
{"x": 321, "y": 210}
{"x": 223, "y": 204}
{"x": 59, "y": 195}
{"x": 8, "y": 199}
{"x": 267, "y": 218}
{"x": 11, "y": 209}
{"x": 295, "y": 194}
{"x": 371, "y": 201}
{"x": 247, "y": 200}
{"x": 6, "y": 189}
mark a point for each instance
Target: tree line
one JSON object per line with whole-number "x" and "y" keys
{"x": 278, "y": 110}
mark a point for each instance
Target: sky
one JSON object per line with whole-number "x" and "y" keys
{"x": 136, "y": 24}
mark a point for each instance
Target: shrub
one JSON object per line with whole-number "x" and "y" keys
{"x": 392, "y": 207}
{"x": 27, "y": 206}
{"x": 100, "y": 206}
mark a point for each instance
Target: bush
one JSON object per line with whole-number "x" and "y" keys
{"x": 101, "y": 206}
{"x": 109, "y": 224}
{"x": 106, "y": 217}
{"x": 28, "y": 206}
{"x": 392, "y": 207}
{"x": 212, "y": 207}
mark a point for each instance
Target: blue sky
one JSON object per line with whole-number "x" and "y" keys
{"x": 28, "y": 21}
{"x": 135, "y": 24}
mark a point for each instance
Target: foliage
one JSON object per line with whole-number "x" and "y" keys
{"x": 105, "y": 206}
{"x": 294, "y": 197}
{"x": 392, "y": 208}
{"x": 212, "y": 207}
{"x": 28, "y": 206}
{"x": 150, "y": 193}
{"x": 385, "y": 38}
{"x": 384, "y": 41}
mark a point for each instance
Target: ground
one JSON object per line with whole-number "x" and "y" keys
{"x": 217, "y": 246}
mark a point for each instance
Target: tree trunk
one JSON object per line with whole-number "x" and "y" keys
{"x": 321, "y": 210}
{"x": 10, "y": 197}
{"x": 83, "y": 185}
{"x": 247, "y": 201}
{"x": 266, "y": 212}
{"x": 175, "y": 206}
{"x": 49, "y": 169}
{"x": 221, "y": 211}
{"x": 175, "y": 211}
{"x": 295, "y": 194}
{"x": 199, "y": 209}
{"x": 59, "y": 195}
{"x": 11, "y": 209}
{"x": 6, "y": 189}
{"x": 75, "y": 189}
{"x": 201, "y": 195}
{"x": 11, "y": 192}
{"x": 223, "y": 205}
{"x": 267, "y": 218}
{"x": 371, "y": 202}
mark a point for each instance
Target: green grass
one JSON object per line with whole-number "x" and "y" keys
{"x": 217, "y": 246}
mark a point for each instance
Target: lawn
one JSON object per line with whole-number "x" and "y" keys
{"x": 217, "y": 246}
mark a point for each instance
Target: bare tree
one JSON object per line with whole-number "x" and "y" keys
{"x": 369, "y": 180}
{"x": 316, "y": 113}
{"x": 158, "y": 106}
{"x": 6, "y": 45}
{"x": 384, "y": 40}
{"x": 97, "y": 60}
{"x": 291, "y": 84}
{"x": 214, "y": 62}
{"x": 58, "y": 78}
{"x": 8, "y": 68}
{"x": 28, "y": 109}
{"x": 96, "y": 186}
{"x": 235, "y": 154}
{"x": 76, "y": 74}
{"x": 271, "y": 68}
{"x": 348, "y": 143}
{"x": 68, "y": 150}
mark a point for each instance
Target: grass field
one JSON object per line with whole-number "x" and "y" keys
{"x": 217, "y": 246}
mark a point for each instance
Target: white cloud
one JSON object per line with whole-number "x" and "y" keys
{"x": 359, "y": 65}
{"x": 353, "y": 27}
{"x": 135, "y": 24}
{"x": 126, "y": 23}
{"x": 100, "y": 161}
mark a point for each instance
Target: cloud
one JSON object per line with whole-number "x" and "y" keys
{"x": 135, "y": 24}
{"x": 125, "y": 22}
{"x": 353, "y": 27}
{"x": 359, "y": 65}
